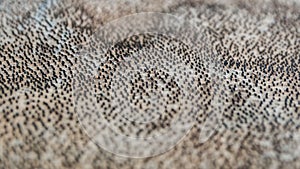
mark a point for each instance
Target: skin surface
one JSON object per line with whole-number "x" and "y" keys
{"x": 255, "y": 43}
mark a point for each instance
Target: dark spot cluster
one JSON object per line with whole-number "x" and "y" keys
{"x": 150, "y": 78}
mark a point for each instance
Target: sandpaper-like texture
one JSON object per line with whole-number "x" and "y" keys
{"x": 256, "y": 45}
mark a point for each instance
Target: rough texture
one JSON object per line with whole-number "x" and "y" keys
{"x": 257, "y": 44}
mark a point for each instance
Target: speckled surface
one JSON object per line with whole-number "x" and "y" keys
{"x": 255, "y": 43}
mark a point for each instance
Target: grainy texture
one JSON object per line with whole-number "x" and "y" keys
{"x": 258, "y": 46}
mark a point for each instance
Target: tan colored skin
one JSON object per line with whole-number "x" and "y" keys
{"x": 261, "y": 118}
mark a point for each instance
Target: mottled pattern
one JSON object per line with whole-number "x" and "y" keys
{"x": 256, "y": 43}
